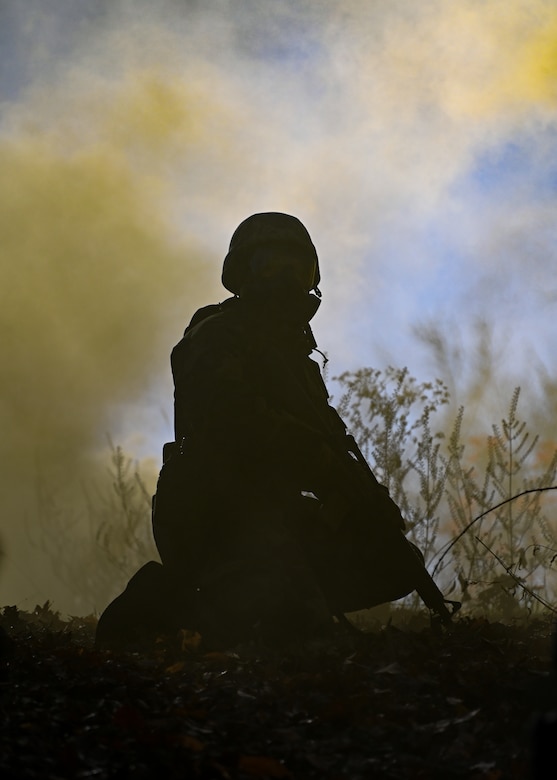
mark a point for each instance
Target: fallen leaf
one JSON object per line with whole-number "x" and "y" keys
{"x": 175, "y": 668}
{"x": 439, "y": 726}
{"x": 394, "y": 668}
{"x": 262, "y": 766}
{"x": 192, "y": 743}
{"x": 189, "y": 640}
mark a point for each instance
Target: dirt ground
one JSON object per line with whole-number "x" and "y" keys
{"x": 407, "y": 701}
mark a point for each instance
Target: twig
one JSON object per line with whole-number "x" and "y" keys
{"x": 516, "y": 579}
{"x": 452, "y": 543}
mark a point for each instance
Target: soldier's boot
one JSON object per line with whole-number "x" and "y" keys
{"x": 148, "y": 608}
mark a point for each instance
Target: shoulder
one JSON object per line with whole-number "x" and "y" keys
{"x": 214, "y": 312}
{"x": 217, "y": 326}
{"x": 216, "y": 321}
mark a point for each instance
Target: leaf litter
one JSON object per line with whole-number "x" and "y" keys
{"x": 395, "y": 703}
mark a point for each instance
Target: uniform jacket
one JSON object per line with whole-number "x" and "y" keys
{"x": 249, "y": 400}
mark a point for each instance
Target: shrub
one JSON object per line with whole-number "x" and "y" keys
{"x": 509, "y": 555}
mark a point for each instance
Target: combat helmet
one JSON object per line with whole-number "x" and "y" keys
{"x": 267, "y": 227}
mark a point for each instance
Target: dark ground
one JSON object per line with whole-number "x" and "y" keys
{"x": 397, "y": 703}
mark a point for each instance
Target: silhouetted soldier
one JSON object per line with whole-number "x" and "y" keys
{"x": 258, "y": 529}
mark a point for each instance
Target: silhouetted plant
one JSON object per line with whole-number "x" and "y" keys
{"x": 439, "y": 491}
{"x": 494, "y": 561}
{"x": 389, "y": 413}
{"x": 95, "y": 551}
{"x": 465, "y": 498}
{"x": 123, "y": 516}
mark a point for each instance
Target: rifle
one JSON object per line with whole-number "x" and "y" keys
{"x": 358, "y": 477}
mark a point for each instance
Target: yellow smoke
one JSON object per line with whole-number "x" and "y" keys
{"x": 535, "y": 78}
{"x": 89, "y": 270}
{"x": 470, "y": 60}
{"x": 500, "y": 58}
{"x": 95, "y": 283}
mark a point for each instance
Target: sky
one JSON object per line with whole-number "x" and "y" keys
{"x": 416, "y": 141}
